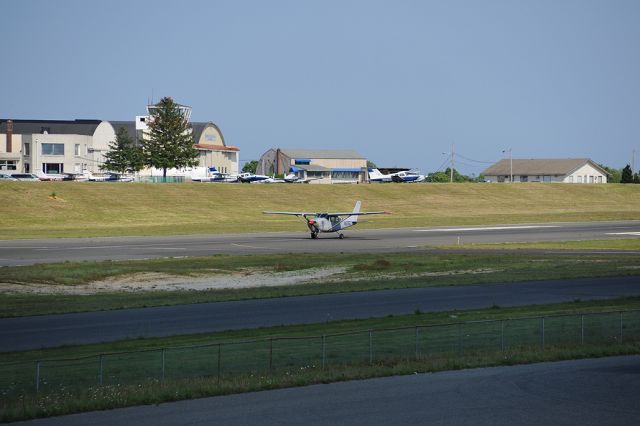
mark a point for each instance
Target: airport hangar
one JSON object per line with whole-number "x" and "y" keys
{"x": 320, "y": 165}
{"x": 73, "y": 146}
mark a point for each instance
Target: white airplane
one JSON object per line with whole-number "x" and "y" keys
{"x": 408, "y": 177}
{"x": 294, "y": 178}
{"x": 329, "y": 222}
{"x": 376, "y": 175}
{"x": 250, "y": 177}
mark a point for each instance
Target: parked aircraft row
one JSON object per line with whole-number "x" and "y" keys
{"x": 211, "y": 175}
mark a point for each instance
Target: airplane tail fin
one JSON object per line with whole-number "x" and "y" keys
{"x": 356, "y": 209}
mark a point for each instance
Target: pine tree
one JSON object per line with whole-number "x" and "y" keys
{"x": 627, "y": 175}
{"x": 170, "y": 139}
{"x": 123, "y": 155}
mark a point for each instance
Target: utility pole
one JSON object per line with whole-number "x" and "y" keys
{"x": 633, "y": 161}
{"x": 452, "y": 161}
{"x": 510, "y": 164}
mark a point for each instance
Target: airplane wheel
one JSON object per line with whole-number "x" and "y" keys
{"x": 341, "y": 236}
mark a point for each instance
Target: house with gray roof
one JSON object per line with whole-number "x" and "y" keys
{"x": 321, "y": 165}
{"x": 565, "y": 170}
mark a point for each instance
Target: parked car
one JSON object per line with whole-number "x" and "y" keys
{"x": 6, "y": 176}
{"x": 25, "y": 176}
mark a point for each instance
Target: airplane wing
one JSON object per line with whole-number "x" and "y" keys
{"x": 294, "y": 213}
{"x": 355, "y": 214}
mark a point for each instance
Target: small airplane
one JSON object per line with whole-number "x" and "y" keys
{"x": 294, "y": 178}
{"x": 329, "y": 222}
{"x": 214, "y": 175}
{"x": 408, "y": 177}
{"x": 49, "y": 177}
{"x": 250, "y": 177}
{"x": 404, "y": 176}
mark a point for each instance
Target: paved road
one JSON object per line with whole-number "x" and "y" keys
{"x": 584, "y": 392}
{"x": 54, "y": 330}
{"x": 24, "y": 252}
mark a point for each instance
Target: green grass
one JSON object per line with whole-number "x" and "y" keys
{"x": 363, "y": 273}
{"x": 628, "y": 244}
{"x": 104, "y": 209}
{"x": 445, "y": 341}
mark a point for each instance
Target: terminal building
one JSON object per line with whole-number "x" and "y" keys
{"x": 75, "y": 146}
{"x": 321, "y": 165}
{"x": 566, "y": 170}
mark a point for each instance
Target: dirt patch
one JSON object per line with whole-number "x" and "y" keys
{"x": 149, "y": 281}
{"x": 163, "y": 282}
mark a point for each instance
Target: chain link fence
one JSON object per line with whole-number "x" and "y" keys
{"x": 224, "y": 360}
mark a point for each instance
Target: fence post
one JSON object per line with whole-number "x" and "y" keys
{"x": 370, "y": 346}
{"x": 582, "y": 329}
{"x": 416, "y": 342}
{"x": 542, "y": 331}
{"x": 620, "y": 326}
{"x": 502, "y": 335}
{"x": 324, "y": 350}
{"x": 270, "y": 353}
{"x": 37, "y": 376}
{"x": 219, "y": 360}
{"x": 162, "y": 379}
{"x": 100, "y": 379}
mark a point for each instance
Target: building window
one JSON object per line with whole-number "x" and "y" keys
{"x": 524, "y": 178}
{"x": 591, "y": 179}
{"x": 76, "y": 149}
{"x": 53, "y": 168}
{"x": 27, "y": 168}
{"x": 52, "y": 149}
{"x": 546, "y": 178}
{"x": 599, "y": 179}
{"x": 27, "y": 149}
{"x": 8, "y": 164}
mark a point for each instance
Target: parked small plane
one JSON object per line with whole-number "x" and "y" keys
{"x": 329, "y": 222}
{"x": 376, "y": 175}
{"x": 294, "y": 178}
{"x": 408, "y": 177}
{"x": 250, "y": 177}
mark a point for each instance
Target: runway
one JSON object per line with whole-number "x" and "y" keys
{"x": 580, "y": 392}
{"x": 25, "y": 333}
{"x": 26, "y": 252}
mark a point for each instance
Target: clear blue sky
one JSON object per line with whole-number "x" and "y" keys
{"x": 399, "y": 81}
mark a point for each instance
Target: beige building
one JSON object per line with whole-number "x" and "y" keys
{"x": 322, "y": 165}
{"x": 569, "y": 170}
{"x": 65, "y": 146}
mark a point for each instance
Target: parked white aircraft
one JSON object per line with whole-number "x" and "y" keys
{"x": 376, "y": 175}
{"x": 250, "y": 177}
{"x": 329, "y": 222}
{"x": 408, "y": 177}
{"x": 293, "y": 178}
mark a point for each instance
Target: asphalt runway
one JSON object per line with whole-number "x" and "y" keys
{"x": 581, "y": 392}
{"x": 25, "y": 252}
{"x": 25, "y": 333}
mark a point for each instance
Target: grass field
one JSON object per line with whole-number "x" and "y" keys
{"x": 361, "y": 273}
{"x": 72, "y": 209}
{"x": 626, "y": 244}
{"x": 165, "y": 369}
